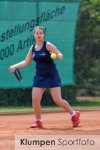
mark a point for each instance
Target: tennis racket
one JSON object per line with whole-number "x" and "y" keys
{"x": 18, "y": 75}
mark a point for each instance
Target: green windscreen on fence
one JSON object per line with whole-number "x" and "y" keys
{"x": 18, "y": 19}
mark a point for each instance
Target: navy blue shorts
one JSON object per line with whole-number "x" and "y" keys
{"x": 47, "y": 80}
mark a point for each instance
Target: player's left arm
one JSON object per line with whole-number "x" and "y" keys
{"x": 52, "y": 49}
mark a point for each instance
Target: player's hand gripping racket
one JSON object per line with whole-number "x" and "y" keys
{"x": 18, "y": 75}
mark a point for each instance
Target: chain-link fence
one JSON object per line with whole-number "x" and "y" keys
{"x": 22, "y": 97}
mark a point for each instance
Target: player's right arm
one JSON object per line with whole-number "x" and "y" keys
{"x": 22, "y": 63}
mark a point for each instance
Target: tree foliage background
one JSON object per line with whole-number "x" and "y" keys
{"x": 87, "y": 49}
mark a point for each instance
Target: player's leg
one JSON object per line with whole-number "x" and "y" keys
{"x": 56, "y": 95}
{"x": 36, "y": 103}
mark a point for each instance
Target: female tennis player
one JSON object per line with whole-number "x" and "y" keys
{"x": 46, "y": 76}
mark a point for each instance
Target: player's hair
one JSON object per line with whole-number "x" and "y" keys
{"x": 39, "y": 27}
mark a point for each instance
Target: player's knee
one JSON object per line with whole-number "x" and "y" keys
{"x": 58, "y": 100}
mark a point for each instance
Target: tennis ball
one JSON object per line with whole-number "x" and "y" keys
{"x": 53, "y": 56}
